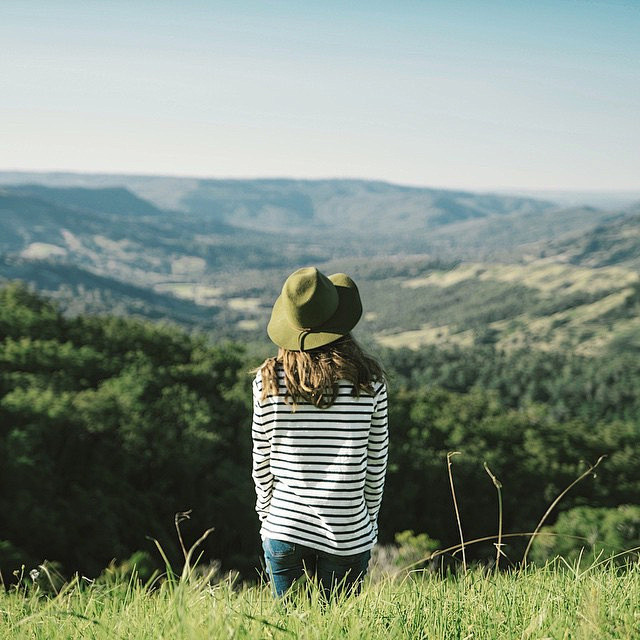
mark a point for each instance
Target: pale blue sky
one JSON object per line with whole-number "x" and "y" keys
{"x": 488, "y": 95}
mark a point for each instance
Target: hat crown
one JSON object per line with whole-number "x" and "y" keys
{"x": 309, "y": 298}
{"x": 313, "y": 310}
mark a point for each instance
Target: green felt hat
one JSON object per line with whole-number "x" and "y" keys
{"x": 314, "y": 310}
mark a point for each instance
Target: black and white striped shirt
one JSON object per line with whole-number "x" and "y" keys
{"x": 319, "y": 473}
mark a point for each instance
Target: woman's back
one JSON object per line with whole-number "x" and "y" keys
{"x": 321, "y": 470}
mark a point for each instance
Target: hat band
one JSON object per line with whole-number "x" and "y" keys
{"x": 302, "y": 337}
{"x": 303, "y": 332}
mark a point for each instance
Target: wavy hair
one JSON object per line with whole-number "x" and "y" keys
{"x": 312, "y": 376}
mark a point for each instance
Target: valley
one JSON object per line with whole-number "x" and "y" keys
{"x": 434, "y": 266}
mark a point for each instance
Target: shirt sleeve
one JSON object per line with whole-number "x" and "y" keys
{"x": 377, "y": 454}
{"x": 261, "y": 470}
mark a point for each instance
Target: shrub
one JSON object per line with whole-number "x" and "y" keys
{"x": 588, "y": 532}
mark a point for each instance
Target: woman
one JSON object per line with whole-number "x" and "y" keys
{"x": 320, "y": 436}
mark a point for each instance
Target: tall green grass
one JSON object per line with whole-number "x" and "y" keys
{"x": 557, "y": 600}
{"x": 554, "y": 601}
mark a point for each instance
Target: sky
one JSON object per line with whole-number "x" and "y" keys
{"x": 454, "y": 94}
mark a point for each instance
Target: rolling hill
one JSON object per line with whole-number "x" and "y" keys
{"x": 613, "y": 242}
{"x": 541, "y": 304}
{"x": 117, "y": 200}
{"x": 435, "y": 266}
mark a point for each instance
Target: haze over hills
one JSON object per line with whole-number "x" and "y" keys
{"x": 603, "y": 199}
{"x": 211, "y": 254}
{"x": 116, "y": 200}
{"x": 398, "y": 215}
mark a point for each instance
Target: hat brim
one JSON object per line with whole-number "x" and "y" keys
{"x": 345, "y": 318}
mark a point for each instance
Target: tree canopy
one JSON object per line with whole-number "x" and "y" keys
{"x": 110, "y": 426}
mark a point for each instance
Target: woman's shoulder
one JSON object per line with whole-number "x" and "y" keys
{"x": 264, "y": 371}
{"x": 374, "y": 389}
{"x": 379, "y": 388}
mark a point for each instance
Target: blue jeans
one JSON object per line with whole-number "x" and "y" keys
{"x": 287, "y": 561}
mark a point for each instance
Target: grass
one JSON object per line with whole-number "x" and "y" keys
{"x": 555, "y": 601}
{"x": 548, "y": 277}
{"x": 427, "y": 334}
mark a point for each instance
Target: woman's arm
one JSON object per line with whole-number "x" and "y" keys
{"x": 261, "y": 471}
{"x": 377, "y": 453}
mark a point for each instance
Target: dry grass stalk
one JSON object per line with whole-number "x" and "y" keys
{"x": 455, "y": 504}
{"x": 554, "y": 503}
{"x": 498, "y": 485}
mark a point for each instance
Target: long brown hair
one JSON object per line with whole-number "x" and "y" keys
{"x": 312, "y": 376}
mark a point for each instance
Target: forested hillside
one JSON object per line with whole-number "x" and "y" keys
{"x": 436, "y": 266}
{"x": 539, "y": 304}
{"x": 109, "y": 426}
{"x": 509, "y": 328}
{"x": 615, "y": 241}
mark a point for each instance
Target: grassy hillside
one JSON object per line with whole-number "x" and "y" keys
{"x": 553, "y": 602}
{"x": 541, "y": 304}
{"x": 616, "y": 241}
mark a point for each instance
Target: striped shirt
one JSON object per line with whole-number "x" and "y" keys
{"x": 319, "y": 473}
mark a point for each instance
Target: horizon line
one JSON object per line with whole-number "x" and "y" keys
{"x": 193, "y": 176}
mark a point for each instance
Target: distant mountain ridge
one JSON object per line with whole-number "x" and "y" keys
{"x": 337, "y": 206}
{"x": 26, "y": 219}
{"x": 211, "y": 254}
{"x": 357, "y": 206}
{"x": 118, "y": 200}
